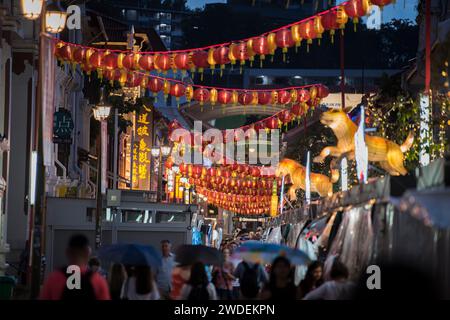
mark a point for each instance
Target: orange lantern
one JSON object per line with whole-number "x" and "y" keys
{"x": 211, "y": 61}
{"x": 189, "y": 93}
{"x": 307, "y": 32}
{"x": 356, "y": 9}
{"x": 213, "y": 96}
{"x": 146, "y": 62}
{"x": 318, "y": 27}
{"x": 296, "y": 37}
{"x": 250, "y": 52}
{"x": 272, "y": 44}
{"x": 341, "y": 17}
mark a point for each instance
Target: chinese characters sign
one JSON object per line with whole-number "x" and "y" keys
{"x": 142, "y": 147}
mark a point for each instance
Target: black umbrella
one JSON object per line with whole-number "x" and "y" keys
{"x": 190, "y": 254}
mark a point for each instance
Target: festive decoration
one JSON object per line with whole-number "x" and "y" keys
{"x": 387, "y": 153}
{"x": 320, "y": 183}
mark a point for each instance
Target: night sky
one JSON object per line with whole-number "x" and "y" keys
{"x": 403, "y": 9}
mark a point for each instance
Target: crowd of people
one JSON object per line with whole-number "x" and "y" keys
{"x": 232, "y": 280}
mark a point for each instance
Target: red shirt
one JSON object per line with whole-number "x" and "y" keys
{"x": 55, "y": 284}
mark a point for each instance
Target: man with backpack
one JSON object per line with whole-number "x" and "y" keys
{"x": 92, "y": 286}
{"x": 252, "y": 278}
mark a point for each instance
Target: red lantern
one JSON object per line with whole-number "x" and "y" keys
{"x": 264, "y": 97}
{"x": 307, "y": 31}
{"x": 285, "y": 116}
{"x": 381, "y": 3}
{"x": 146, "y": 62}
{"x": 110, "y": 61}
{"x": 200, "y": 60}
{"x": 220, "y": 55}
{"x": 65, "y": 52}
{"x": 245, "y": 98}
{"x": 284, "y": 97}
{"x": 162, "y": 62}
{"x": 79, "y": 55}
{"x": 224, "y": 97}
{"x": 129, "y": 61}
{"x": 181, "y": 61}
{"x": 303, "y": 96}
{"x": 240, "y": 52}
{"x": 283, "y": 39}
{"x": 255, "y": 172}
{"x": 177, "y": 90}
{"x": 201, "y": 95}
{"x": 155, "y": 85}
{"x": 96, "y": 59}
{"x": 272, "y": 122}
{"x": 329, "y": 22}
{"x": 260, "y": 46}
{"x": 297, "y": 110}
{"x": 134, "y": 79}
{"x": 322, "y": 91}
{"x": 183, "y": 168}
{"x": 356, "y": 9}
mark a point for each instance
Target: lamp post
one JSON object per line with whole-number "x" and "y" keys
{"x": 52, "y": 20}
{"x": 101, "y": 114}
{"x": 160, "y": 152}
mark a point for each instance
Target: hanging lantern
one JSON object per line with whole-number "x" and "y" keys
{"x": 272, "y": 44}
{"x": 221, "y": 57}
{"x": 283, "y": 39}
{"x": 130, "y": 61}
{"x": 162, "y": 62}
{"x": 264, "y": 97}
{"x": 231, "y": 55}
{"x": 181, "y": 62}
{"x": 271, "y": 123}
{"x": 303, "y": 96}
{"x": 285, "y": 117}
{"x": 250, "y": 52}
{"x": 260, "y": 47}
{"x": 341, "y": 17}
{"x": 224, "y": 97}
{"x": 133, "y": 79}
{"x": 211, "y": 61}
{"x": 146, "y": 62}
{"x": 201, "y": 95}
{"x": 213, "y": 96}
{"x": 155, "y": 85}
{"x": 297, "y": 110}
{"x": 96, "y": 62}
{"x": 79, "y": 55}
{"x": 200, "y": 61}
{"x": 284, "y": 97}
{"x": 234, "y": 97}
{"x": 329, "y": 23}
{"x": 318, "y": 27}
{"x": 110, "y": 61}
{"x": 274, "y": 97}
{"x": 381, "y": 3}
{"x": 307, "y": 32}
{"x": 294, "y": 95}
{"x": 177, "y": 90}
{"x": 65, "y": 53}
{"x": 356, "y": 9}
{"x": 240, "y": 52}
{"x": 322, "y": 92}
{"x": 296, "y": 37}
{"x": 189, "y": 93}
{"x": 245, "y": 98}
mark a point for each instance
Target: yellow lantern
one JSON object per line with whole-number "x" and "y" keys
{"x": 166, "y": 88}
{"x": 274, "y": 200}
{"x": 295, "y": 31}
{"x": 120, "y": 57}
{"x": 189, "y": 94}
{"x": 274, "y": 97}
{"x": 294, "y": 96}
{"x": 341, "y": 17}
{"x": 231, "y": 55}
{"x": 213, "y": 97}
{"x": 234, "y": 97}
{"x": 272, "y": 43}
{"x": 318, "y": 27}
{"x": 211, "y": 60}
{"x": 251, "y": 54}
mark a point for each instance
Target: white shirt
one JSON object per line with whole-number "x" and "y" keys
{"x": 186, "y": 290}
{"x": 129, "y": 291}
{"x": 215, "y": 239}
{"x": 332, "y": 290}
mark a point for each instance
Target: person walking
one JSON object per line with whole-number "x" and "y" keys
{"x": 93, "y": 286}
{"x": 338, "y": 288}
{"x": 198, "y": 288}
{"x": 281, "y": 285}
{"x": 140, "y": 286}
{"x": 96, "y": 266}
{"x": 252, "y": 277}
{"x": 313, "y": 279}
{"x": 223, "y": 277}
{"x": 116, "y": 278}
{"x": 164, "y": 273}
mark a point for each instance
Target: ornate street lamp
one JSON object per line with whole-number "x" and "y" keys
{"x": 55, "y": 19}
{"x": 160, "y": 152}
{"x": 31, "y": 9}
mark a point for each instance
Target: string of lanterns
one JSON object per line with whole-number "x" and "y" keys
{"x": 116, "y": 63}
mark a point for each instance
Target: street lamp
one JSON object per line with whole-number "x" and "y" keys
{"x": 101, "y": 114}
{"x": 32, "y": 9}
{"x": 55, "y": 19}
{"x": 160, "y": 152}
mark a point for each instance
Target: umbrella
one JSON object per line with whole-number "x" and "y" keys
{"x": 256, "y": 251}
{"x": 190, "y": 254}
{"x": 131, "y": 254}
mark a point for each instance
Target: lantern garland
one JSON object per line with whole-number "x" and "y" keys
{"x": 118, "y": 62}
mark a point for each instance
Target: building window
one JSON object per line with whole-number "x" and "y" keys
{"x": 170, "y": 217}
{"x": 137, "y": 216}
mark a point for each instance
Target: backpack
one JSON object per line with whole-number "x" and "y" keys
{"x": 86, "y": 292}
{"x": 198, "y": 293}
{"x": 249, "y": 282}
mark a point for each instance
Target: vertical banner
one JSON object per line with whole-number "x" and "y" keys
{"x": 104, "y": 156}
{"x": 344, "y": 174}
{"x": 361, "y": 151}
{"x": 48, "y": 99}
{"x": 307, "y": 178}
{"x": 425, "y": 116}
{"x": 143, "y": 144}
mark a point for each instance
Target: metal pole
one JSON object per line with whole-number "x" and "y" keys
{"x": 131, "y": 159}
{"x": 342, "y": 54}
{"x": 116, "y": 133}
{"x": 99, "y": 209}
{"x": 160, "y": 176}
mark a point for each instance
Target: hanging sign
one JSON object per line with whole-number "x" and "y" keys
{"x": 143, "y": 143}
{"x": 361, "y": 151}
{"x": 307, "y": 178}
{"x": 62, "y": 126}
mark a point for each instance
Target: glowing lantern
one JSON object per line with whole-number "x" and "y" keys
{"x": 166, "y": 88}
{"x": 284, "y": 97}
{"x": 110, "y": 61}
{"x": 250, "y": 52}
{"x": 133, "y": 79}
{"x": 322, "y": 92}
{"x": 162, "y": 62}
{"x": 274, "y": 97}
{"x": 224, "y": 97}
{"x": 271, "y": 123}
{"x": 245, "y": 98}
{"x": 200, "y": 61}
{"x": 201, "y": 95}
{"x": 272, "y": 44}
{"x": 381, "y": 3}
{"x": 181, "y": 62}
{"x": 264, "y": 97}
{"x": 177, "y": 90}
{"x": 79, "y": 55}
{"x": 234, "y": 97}
{"x": 231, "y": 55}
{"x": 211, "y": 61}
{"x": 213, "y": 96}
{"x": 260, "y": 47}
{"x": 294, "y": 95}
{"x": 146, "y": 62}
{"x": 240, "y": 52}
{"x": 329, "y": 22}
{"x": 356, "y": 9}
{"x": 155, "y": 85}
{"x": 221, "y": 57}
{"x": 307, "y": 32}
{"x": 341, "y": 17}
{"x": 65, "y": 52}
{"x": 285, "y": 117}
{"x": 297, "y": 110}
{"x": 296, "y": 37}
{"x": 189, "y": 93}
{"x": 120, "y": 58}
{"x": 283, "y": 39}
{"x": 130, "y": 61}
{"x": 318, "y": 27}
